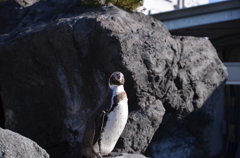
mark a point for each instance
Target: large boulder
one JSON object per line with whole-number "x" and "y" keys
{"x": 55, "y": 67}
{"x": 14, "y": 145}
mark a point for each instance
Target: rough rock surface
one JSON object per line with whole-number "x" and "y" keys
{"x": 14, "y": 145}
{"x": 125, "y": 155}
{"x": 54, "y": 66}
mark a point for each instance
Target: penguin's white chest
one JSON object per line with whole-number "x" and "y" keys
{"x": 115, "y": 124}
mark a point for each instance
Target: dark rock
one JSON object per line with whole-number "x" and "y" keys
{"x": 55, "y": 66}
{"x": 14, "y": 145}
{"x": 187, "y": 137}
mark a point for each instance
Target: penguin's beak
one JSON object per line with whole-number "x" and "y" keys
{"x": 118, "y": 76}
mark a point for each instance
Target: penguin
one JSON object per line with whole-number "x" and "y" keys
{"x": 107, "y": 122}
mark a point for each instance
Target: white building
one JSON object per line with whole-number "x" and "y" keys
{"x": 158, "y": 6}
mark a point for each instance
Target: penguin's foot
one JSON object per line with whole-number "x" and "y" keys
{"x": 114, "y": 154}
{"x": 99, "y": 155}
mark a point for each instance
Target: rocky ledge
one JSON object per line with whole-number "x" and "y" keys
{"x": 14, "y": 145}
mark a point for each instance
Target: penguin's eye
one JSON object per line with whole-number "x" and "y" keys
{"x": 118, "y": 76}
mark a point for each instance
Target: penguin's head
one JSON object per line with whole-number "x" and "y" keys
{"x": 117, "y": 79}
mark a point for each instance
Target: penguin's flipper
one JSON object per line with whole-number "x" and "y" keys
{"x": 99, "y": 121}
{"x": 89, "y": 134}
